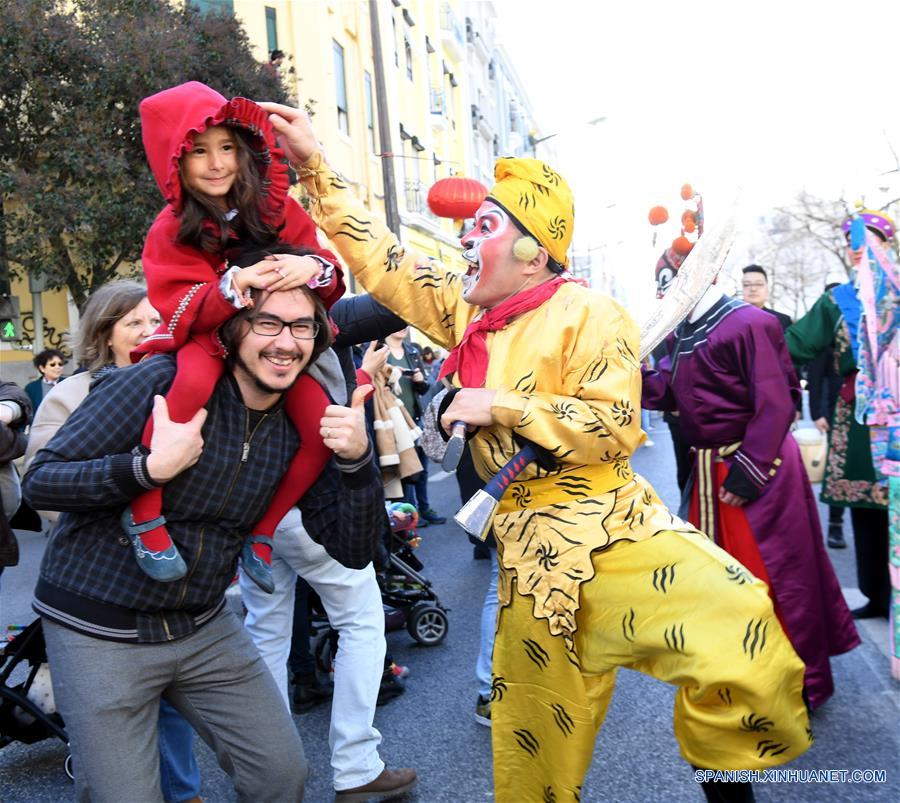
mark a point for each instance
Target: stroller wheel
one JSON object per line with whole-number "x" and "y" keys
{"x": 68, "y": 767}
{"x": 427, "y": 624}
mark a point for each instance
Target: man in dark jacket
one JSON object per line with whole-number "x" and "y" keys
{"x": 118, "y": 640}
{"x": 755, "y": 287}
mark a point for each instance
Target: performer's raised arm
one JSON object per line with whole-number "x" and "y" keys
{"x": 409, "y": 283}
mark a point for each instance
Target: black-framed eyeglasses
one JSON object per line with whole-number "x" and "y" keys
{"x": 272, "y": 327}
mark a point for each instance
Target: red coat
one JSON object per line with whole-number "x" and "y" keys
{"x": 182, "y": 280}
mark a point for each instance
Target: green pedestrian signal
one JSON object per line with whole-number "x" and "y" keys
{"x": 10, "y": 319}
{"x": 9, "y": 330}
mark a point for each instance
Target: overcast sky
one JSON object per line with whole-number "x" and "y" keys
{"x": 773, "y": 96}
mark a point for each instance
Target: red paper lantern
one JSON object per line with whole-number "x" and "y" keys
{"x": 687, "y": 192}
{"x": 658, "y": 215}
{"x": 456, "y": 197}
{"x": 682, "y": 246}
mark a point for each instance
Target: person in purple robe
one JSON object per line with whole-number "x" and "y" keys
{"x": 732, "y": 382}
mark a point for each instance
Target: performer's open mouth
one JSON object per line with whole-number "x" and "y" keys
{"x": 473, "y": 271}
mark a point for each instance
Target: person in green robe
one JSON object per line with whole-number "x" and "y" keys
{"x": 850, "y": 477}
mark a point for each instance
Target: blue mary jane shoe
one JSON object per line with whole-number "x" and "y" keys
{"x": 166, "y": 565}
{"x": 257, "y": 570}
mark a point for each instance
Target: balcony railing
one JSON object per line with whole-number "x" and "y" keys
{"x": 480, "y": 41}
{"x": 451, "y": 24}
{"x": 415, "y": 201}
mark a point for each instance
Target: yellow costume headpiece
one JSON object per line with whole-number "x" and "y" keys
{"x": 539, "y": 200}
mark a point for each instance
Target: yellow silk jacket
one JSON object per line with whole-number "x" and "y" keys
{"x": 567, "y": 376}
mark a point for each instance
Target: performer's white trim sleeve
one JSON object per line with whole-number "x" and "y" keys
{"x": 15, "y": 410}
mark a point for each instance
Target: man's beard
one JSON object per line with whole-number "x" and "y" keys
{"x": 260, "y": 385}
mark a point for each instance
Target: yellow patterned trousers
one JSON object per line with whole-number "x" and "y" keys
{"x": 673, "y": 606}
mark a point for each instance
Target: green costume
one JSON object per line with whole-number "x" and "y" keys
{"x": 849, "y": 473}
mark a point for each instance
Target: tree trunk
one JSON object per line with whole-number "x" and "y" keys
{"x": 74, "y": 282}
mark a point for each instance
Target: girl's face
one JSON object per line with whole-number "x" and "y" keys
{"x": 211, "y": 166}
{"x": 52, "y": 369}
{"x": 131, "y": 330}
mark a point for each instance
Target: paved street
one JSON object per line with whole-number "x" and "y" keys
{"x": 431, "y": 727}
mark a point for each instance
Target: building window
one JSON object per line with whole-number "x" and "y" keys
{"x": 219, "y": 6}
{"x": 407, "y": 50}
{"x": 412, "y": 184}
{"x": 271, "y": 28}
{"x": 370, "y": 110}
{"x": 438, "y": 104}
{"x": 396, "y": 45}
{"x": 340, "y": 88}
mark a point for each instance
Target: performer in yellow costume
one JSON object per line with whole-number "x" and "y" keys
{"x": 595, "y": 573}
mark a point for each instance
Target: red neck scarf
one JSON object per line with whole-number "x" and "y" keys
{"x": 469, "y": 359}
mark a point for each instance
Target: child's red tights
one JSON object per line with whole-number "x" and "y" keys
{"x": 196, "y": 377}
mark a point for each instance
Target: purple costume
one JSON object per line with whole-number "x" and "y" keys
{"x": 732, "y": 381}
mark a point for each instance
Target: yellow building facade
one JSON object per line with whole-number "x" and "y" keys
{"x": 329, "y": 66}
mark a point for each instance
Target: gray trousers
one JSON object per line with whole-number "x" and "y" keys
{"x": 108, "y": 694}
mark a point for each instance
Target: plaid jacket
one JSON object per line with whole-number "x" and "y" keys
{"x": 94, "y": 465}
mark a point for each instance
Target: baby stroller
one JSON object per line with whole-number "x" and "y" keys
{"x": 27, "y": 710}
{"x": 408, "y": 597}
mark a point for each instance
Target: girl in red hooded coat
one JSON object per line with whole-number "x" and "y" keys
{"x": 225, "y": 184}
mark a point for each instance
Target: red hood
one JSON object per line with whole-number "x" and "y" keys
{"x": 170, "y": 118}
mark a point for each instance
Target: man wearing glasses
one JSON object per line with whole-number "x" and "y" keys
{"x": 755, "y": 287}
{"x": 118, "y": 640}
{"x": 350, "y": 596}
